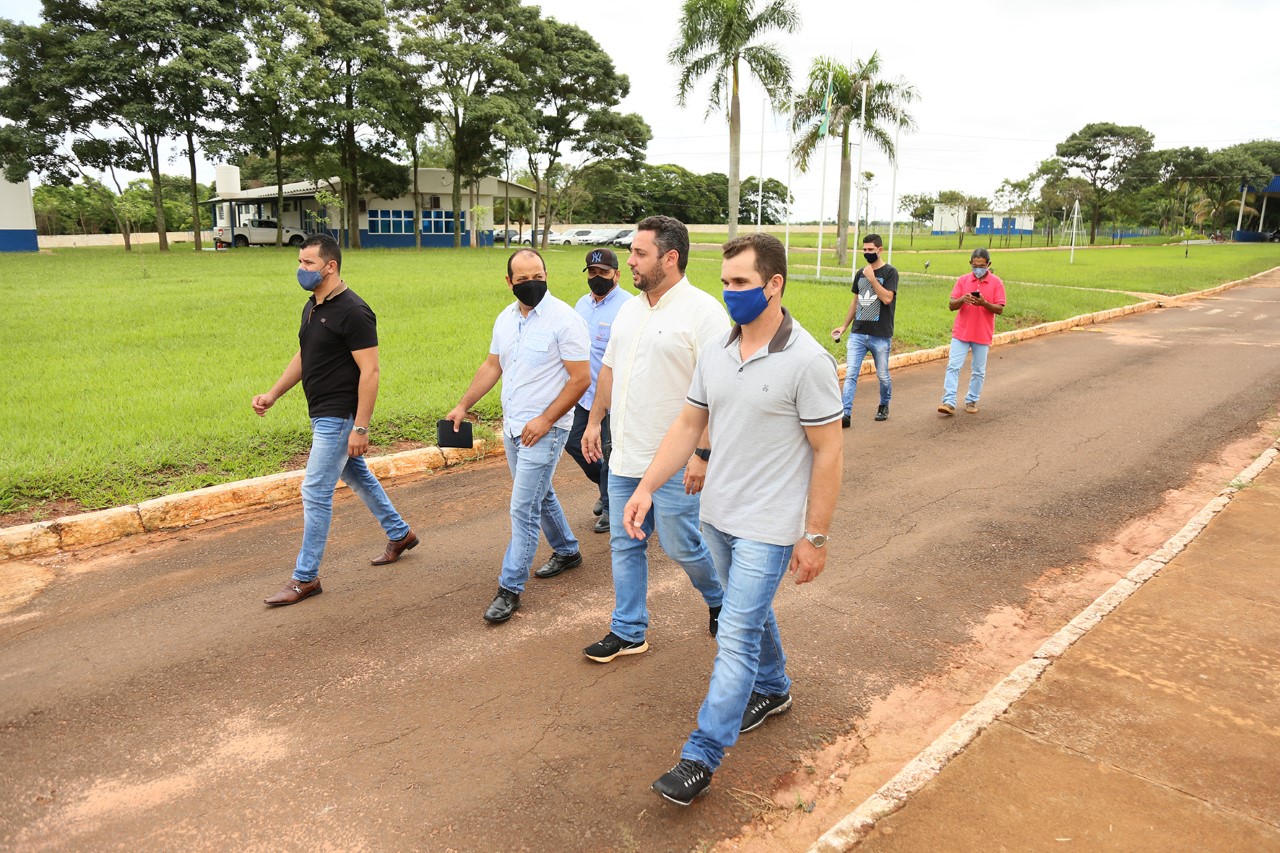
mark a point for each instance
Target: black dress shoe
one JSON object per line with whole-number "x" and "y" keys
{"x": 602, "y": 525}
{"x": 504, "y": 605}
{"x": 559, "y": 563}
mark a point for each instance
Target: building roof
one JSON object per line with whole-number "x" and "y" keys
{"x": 307, "y": 189}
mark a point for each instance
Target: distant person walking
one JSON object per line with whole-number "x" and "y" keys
{"x": 337, "y": 364}
{"x": 978, "y": 297}
{"x": 768, "y": 393}
{"x": 539, "y": 350}
{"x": 648, "y": 366}
{"x": 599, "y": 307}
{"x": 875, "y": 292}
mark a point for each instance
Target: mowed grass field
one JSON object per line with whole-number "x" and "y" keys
{"x": 129, "y": 375}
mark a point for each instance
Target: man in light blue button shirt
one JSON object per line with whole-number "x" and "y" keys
{"x": 598, "y": 308}
{"x": 540, "y": 352}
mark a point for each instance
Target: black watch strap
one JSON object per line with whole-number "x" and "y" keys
{"x": 703, "y": 453}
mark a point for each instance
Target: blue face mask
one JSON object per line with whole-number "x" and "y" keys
{"x": 309, "y": 279}
{"x": 979, "y": 272}
{"x": 745, "y": 305}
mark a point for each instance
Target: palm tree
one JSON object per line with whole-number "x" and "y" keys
{"x": 716, "y": 36}
{"x": 886, "y": 109}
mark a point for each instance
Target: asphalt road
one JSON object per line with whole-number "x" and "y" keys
{"x": 150, "y": 701}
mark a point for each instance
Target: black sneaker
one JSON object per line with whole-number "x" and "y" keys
{"x": 846, "y": 422}
{"x": 760, "y": 708}
{"x": 882, "y": 413}
{"x": 598, "y": 509}
{"x": 613, "y": 646}
{"x": 714, "y": 624}
{"x": 683, "y": 782}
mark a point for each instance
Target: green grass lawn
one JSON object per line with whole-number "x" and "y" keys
{"x": 130, "y": 375}
{"x": 921, "y": 241}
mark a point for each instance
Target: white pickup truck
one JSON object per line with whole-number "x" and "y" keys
{"x": 256, "y": 232}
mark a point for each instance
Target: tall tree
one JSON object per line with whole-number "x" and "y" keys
{"x": 717, "y": 37}
{"x": 1102, "y": 153}
{"x": 349, "y": 94}
{"x": 886, "y": 110}
{"x": 574, "y": 89}
{"x": 270, "y": 119}
{"x": 463, "y": 56}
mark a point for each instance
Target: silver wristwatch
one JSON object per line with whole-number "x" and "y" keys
{"x": 817, "y": 540}
{"x": 360, "y": 430}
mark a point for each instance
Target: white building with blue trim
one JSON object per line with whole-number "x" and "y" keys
{"x": 384, "y": 223}
{"x": 17, "y": 218}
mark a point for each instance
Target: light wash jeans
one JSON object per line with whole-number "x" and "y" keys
{"x": 750, "y": 656}
{"x": 534, "y": 505}
{"x": 977, "y": 371}
{"x": 858, "y": 347}
{"x": 675, "y": 516}
{"x": 327, "y": 462}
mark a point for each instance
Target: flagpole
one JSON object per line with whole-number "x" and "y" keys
{"x": 791, "y": 123}
{"x": 857, "y": 215}
{"x": 825, "y": 130}
{"x": 893, "y": 193}
{"x": 764, "y": 111}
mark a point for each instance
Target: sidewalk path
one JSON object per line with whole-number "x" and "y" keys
{"x": 1158, "y": 730}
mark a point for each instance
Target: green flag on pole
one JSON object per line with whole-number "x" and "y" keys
{"x": 826, "y": 107}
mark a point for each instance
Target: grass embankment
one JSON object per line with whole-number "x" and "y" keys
{"x": 130, "y": 375}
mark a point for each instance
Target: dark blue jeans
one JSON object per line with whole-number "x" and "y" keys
{"x": 597, "y": 472}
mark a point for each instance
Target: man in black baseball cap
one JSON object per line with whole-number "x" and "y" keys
{"x": 598, "y": 308}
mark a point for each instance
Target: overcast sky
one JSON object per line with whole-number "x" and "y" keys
{"x": 1000, "y": 83}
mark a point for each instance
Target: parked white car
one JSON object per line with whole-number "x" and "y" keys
{"x": 256, "y": 232}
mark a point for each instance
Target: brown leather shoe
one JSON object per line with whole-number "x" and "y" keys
{"x": 293, "y": 592}
{"x": 396, "y": 547}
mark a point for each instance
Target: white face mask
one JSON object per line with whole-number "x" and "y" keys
{"x": 979, "y": 272}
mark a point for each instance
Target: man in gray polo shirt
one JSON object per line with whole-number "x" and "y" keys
{"x": 768, "y": 394}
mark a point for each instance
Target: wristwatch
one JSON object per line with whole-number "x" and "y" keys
{"x": 817, "y": 540}
{"x": 360, "y": 430}
{"x": 703, "y": 453}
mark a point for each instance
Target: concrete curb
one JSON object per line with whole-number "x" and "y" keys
{"x": 196, "y": 507}
{"x": 895, "y": 793}
{"x": 187, "y": 508}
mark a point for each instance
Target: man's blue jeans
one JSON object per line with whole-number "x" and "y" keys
{"x": 859, "y": 346}
{"x": 675, "y": 516}
{"x": 977, "y": 375}
{"x": 327, "y": 462}
{"x": 534, "y": 505}
{"x": 750, "y": 656}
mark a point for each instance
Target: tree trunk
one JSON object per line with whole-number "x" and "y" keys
{"x": 456, "y": 201}
{"x": 471, "y": 215}
{"x": 195, "y": 200}
{"x": 417, "y": 199}
{"x": 157, "y": 197}
{"x": 280, "y": 197}
{"x": 735, "y": 152}
{"x": 846, "y": 186}
{"x": 352, "y": 156}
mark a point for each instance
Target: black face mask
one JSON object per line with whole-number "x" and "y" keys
{"x": 600, "y": 285}
{"x": 871, "y": 256}
{"x": 530, "y": 292}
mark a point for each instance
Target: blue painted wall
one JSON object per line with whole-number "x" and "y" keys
{"x": 18, "y": 241}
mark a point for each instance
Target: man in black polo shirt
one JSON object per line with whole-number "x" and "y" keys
{"x": 337, "y": 363}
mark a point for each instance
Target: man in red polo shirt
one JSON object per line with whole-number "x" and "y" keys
{"x": 978, "y": 297}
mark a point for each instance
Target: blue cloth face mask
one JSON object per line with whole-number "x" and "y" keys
{"x": 745, "y": 305}
{"x": 979, "y": 272}
{"x": 309, "y": 279}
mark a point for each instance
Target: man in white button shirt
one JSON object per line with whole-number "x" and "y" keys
{"x": 540, "y": 350}
{"x": 648, "y": 366}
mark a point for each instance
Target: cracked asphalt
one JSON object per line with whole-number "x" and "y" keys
{"x": 149, "y": 701}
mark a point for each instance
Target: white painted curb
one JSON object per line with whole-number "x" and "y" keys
{"x": 894, "y": 794}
